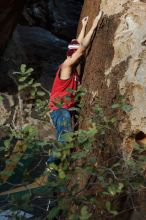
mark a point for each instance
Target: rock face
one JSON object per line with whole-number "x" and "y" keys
{"x": 116, "y": 62}
{"x": 59, "y": 17}
{"x": 115, "y": 66}
{"x": 35, "y": 47}
{"x": 10, "y": 11}
{"x": 41, "y": 39}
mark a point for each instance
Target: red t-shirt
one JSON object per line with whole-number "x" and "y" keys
{"x": 63, "y": 91}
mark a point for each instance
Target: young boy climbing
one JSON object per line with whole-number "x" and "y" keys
{"x": 67, "y": 80}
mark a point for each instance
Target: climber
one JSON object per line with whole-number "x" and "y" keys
{"x": 67, "y": 80}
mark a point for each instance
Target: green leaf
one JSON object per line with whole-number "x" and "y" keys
{"x": 112, "y": 190}
{"x": 58, "y": 103}
{"x": 75, "y": 109}
{"x": 22, "y": 87}
{"x": 23, "y": 68}
{"x": 120, "y": 187}
{"x": 56, "y": 154}
{"x": 30, "y": 82}
{"x": 121, "y": 98}
{"x": 116, "y": 165}
{"x": 8, "y": 162}
{"x": 126, "y": 108}
{"x": 89, "y": 170}
{"x": 8, "y": 173}
{"x": 110, "y": 209}
{"x": 114, "y": 212}
{"x": 72, "y": 91}
{"x": 53, "y": 213}
{"x": 30, "y": 70}
{"x": 79, "y": 155}
{"x": 101, "y": 179}
{"x": 74, "y": 217}
{"x": 114, "y": 106}
{"x": 93, "y": 160}
{"x": 67, "y": 97}
{"x": 61, "y": 174}
{"x": 78, "y": 96}
{"x": 142, "y": 158}
{"x": 68, "y": 137}
{"x": 108, "y": 205}
{"x": 82, "y": 138}
{"x": 33, "y": 93}
{"x": 7, "y": 144}
{"x": 22, "y": 79}
{"x": 40, "y": 93}
{"x": 36, "y": 85}
{"x": 85, "y": 215}
{"x": 113, "y": 120}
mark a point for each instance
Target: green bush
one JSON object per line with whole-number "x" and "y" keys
{"x": 86, "y": 187}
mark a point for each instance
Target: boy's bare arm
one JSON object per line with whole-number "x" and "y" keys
{"x": 87, "y": 39}
{"x": 85, "y": 42}
{"x": 71, "y": 61}
{"x": 83, "y": 30}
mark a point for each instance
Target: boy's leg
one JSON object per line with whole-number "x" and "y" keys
{"x": 62, "y": 121}
{"x": 64, "y": 124}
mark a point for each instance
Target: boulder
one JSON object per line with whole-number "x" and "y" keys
{"x": 115, "y": 70}
{"x": 36, "y": 47}
{"x": 10, "y": 11}
{"x": 59, "y": 17}
{"x": 34, "y": 42}
{"x": 115, "y": 65}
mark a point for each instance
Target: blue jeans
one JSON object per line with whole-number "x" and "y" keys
{"x": 62, "y": 121}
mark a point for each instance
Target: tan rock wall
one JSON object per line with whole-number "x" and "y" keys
{"x": 116, "y": 63}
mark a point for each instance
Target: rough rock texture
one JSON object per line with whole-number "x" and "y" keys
{"x": 116, "y": 61}
{"x": 34, "y": 42}
{"x": 59, "y": 17}
{"x": 115, "y": 66}
{"x": 10, "y": 11}
{"x": 35, "y": 47}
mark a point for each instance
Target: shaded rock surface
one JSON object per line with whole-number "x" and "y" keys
{"x": 10, "y": 11}
{"x": 40, "y": 39}
{"x": 115, "y": 66}
{"x": 35, "y": 47}
{"x": 59, "y": 17}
